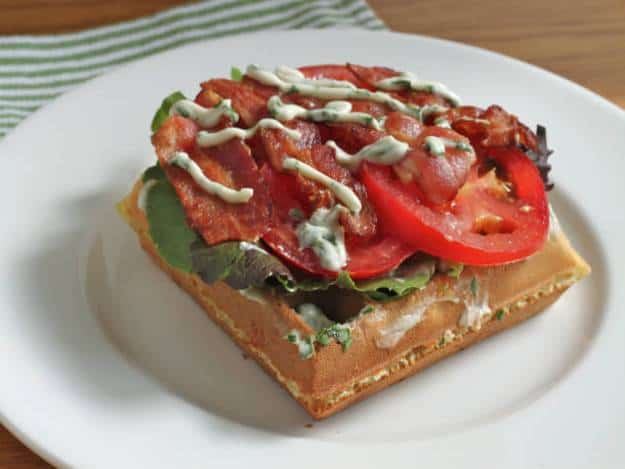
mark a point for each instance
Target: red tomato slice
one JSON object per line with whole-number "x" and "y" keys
{"x": 482, "y": 226}
{"x": 438, "y": 178}
{"x": 367, "y": 259}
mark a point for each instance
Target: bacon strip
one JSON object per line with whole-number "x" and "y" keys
{"x": 230, "y": 164}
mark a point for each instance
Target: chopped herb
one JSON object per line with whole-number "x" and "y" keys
{"x": 236, "y": 74}
{"x": 296, "y": 214}
{"x": 342, "y": 333}
{"x": 323, "y": 338}
{"x": 366, "y": 309}
{"x": 474, "y": 286}
{"x": 441, "y": 341}
{"x": 291, "y": 337}
{"x": 500, "y": 314}
{"x": 455, "y": 270}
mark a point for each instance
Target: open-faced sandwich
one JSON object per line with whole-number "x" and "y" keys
{"x": 348, "y": 226}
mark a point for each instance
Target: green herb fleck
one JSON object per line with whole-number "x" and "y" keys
{"x": 236, "y": 74}
{"x": 455, "y": 270}
{"x": 366, "y": 309}
{"x": 162, "y": 113}
{"x": 441, "y": 341}
{"x": 500, "y": 314}
{"x": 296, "y": 214}
{"x": 342, "y": 333}
{"x": 323, "y": 338}
{"x": 474, "y": 286}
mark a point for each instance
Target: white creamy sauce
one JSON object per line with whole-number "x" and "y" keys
{"x": 476, "y": 310}
{"x": 437, "y": 145}
{"x": 323, "y": 90}
{"x": 390, "y": 335}
{"x": 305, "y": 345}
{"x": 246, "y": 246}
{"x": 313, "y": 315}
{"x": 476, "y": 307}
{"x": 142, "y": 199}
{"x": 554, "y": 224}
{"x": 408, "y": 81}
{"x": 210, "y": 139}
{"x": 333, "y": 111}
{"x": 442, "y": 122}
{"x": 341, "y": 191}
{"x": 205, "y": 117}
{"x": 254, "y": 294}
{"x": 448, "y": 336}
{"x": 293, "y": 75}
{"x": 232, "y": 196}
{"x": 324, "y": 235}
{"x": 387, "y": 150}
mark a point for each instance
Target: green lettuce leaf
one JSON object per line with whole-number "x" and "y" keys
{"x": 243, "y": 264}
{"x": 239, "y": 264}
{"x": 411, "y": 275}
{"x": 154, "y": 172}
{"x": 168, "y": 226}
{"x": 236, "y": 74}
{"x": 162, "y": 113}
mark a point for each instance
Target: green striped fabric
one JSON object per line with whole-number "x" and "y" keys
{"x": 36, "y": 69}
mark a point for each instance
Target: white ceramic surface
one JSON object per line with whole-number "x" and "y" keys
{"x": 105, "y": 363}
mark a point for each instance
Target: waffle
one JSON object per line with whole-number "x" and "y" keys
{"x": 395, "y": 339}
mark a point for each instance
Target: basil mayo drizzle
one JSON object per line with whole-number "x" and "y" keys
{"x": 333, "y": 111}
{"x": 293, "y": 82}
{"x": 232, "y": 196}
{"x": 205, "y": 117}
{"x": 387, "y": 150}
{"x": 341, "y": 191}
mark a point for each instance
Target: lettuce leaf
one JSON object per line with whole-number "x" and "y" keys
{"x": 244, "y": 264}
{"x": 154, "y": 172}
{"x": 162, "y": 113}
{"x": 236, "y": 74}
{"x": 239, "y": 264}
{"x": 168, "y": 226}
{"x": 541, "y": 156}
{"x": 412, "y": 274}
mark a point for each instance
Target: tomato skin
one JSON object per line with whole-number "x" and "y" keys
{"x": 445, "y": 234}
{"x": 438, "y": 177}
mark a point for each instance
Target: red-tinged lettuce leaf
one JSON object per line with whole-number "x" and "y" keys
{"x": 541, "y": 155}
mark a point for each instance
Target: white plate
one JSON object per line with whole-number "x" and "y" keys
{"x": 105, "y": 363}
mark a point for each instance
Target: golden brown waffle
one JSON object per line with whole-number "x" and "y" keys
{"x": 333, "y": 379}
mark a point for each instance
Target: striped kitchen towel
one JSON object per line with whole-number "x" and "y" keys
{"x": 36, "y": 69}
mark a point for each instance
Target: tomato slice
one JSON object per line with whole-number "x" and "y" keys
{"x": 484, "y": 224}
{"x": 367, "y": 258}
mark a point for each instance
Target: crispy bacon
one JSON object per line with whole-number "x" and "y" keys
{"x": 230, "y": 164}
{"x": 493, "y": 127}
